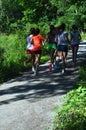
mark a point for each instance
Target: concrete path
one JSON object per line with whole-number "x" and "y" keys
{"x": 28, "y": 103}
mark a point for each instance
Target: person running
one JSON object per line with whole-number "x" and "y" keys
{"x": 37, "y": 40}
{"x": 75, "y": 38}
{"x": 62, "y": 45}
{"x": 51, "y": 45}
{"x": 56, "y": 63}
{"x": 29, "y": 48}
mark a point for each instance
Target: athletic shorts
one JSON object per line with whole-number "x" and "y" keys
{"x": 62, "y": 48}
{"x": 51, "y": 46}
{"x": 73, "y": 46}
{"x": 29, "y": 51}
{"x": 38, "y": 52}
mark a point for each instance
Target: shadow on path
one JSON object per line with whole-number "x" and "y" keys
{"x": 47, "y": 84}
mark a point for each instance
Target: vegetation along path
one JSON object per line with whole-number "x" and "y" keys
{"x": 27, "y": 103}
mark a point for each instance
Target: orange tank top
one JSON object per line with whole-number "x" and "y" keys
{"x": 37, "y": 42}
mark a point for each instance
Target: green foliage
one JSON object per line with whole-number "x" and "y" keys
{"x": 72, "y": 115}
{"x": 12, "y": 54}
{"x": 14, "y": 49}
{"x": 82, "y": 71}
{"x": 19, "y": 13}
{"x": 10, "y": 12}
{"x": 44, "y": 58}
{"x": 83, "y": 35}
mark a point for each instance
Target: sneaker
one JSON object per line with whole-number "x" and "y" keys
{"x": 62, "y": 71}
{"x": 33, "y": 70}
{"x": 34, "y": 74}
{"x": 50, "y": 66}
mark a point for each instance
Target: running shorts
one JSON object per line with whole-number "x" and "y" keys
{"x": 29, "y": 51}
{"x": 62, "y": 48}
{"x": 51, "y": 46}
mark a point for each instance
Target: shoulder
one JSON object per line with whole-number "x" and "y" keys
{"x": 65, "y": 33}
{"x": 40, "y": 36}
{"x": 29, "y": 36}
{"x": 33, "y": 37}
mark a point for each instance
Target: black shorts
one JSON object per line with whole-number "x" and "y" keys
{"x": 38, "y": 52}
{"x": 62, "y": 48}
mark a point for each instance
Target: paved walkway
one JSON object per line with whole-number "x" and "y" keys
{"x": 28, "y": 103}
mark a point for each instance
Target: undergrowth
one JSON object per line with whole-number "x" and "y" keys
{"x": 72, "y": 115}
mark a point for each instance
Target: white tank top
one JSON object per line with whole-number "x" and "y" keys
{"x": 29, "y": 45}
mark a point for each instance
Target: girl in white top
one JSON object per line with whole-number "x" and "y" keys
{"x": 29, "y": 47}
{"x": 29, "y": 44}
{"x": 75, "y": 38}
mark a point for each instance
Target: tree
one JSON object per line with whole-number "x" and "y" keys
{"x": 18, "y": 13}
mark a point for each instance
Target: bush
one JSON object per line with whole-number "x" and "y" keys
{"x": 72, "y": 115}
{"x": 83, "y": 35}
{"x": 12, "y": 54}
{"x": 82, "y": 71}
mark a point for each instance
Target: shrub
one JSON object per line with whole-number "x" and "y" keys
{"x": 72, "y": 116}
{"x": 12, "y": 54}
{"x": 83, "y": 35}
{"x": 82, "y": 71}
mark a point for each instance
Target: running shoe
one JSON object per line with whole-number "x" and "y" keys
{"x": 50, "y": 66}
{"x": 63, "y": 71}
{"x": 35, "y": 74}
{"x": 33, "y": 70}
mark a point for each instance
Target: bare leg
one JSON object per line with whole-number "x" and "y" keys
{"x": 55, "y": 53}
{"x": 64, "y": 59}
{"x": 36, "y": 63}
{"x": 52, "y": 56}
{"x": 75, "y": 54}
{"x": 30, "y": 56}
{"x": 33, "y": 60}
{"x": 60, "y": 56}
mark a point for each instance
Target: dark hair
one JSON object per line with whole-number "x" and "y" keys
{"x": 32, "y": 30}
{"x": 52, "y": 27}
{"x": 74, "y": 27}
{"x": 62, "y": 26}
{"x": 37, "y": 31}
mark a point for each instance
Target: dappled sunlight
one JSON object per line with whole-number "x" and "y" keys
{"x": 46, "y": 84}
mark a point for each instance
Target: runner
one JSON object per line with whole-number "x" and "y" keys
{"x": 75, "y": 38}
{"x": 29, "y": 48}
{"x": 51, "y": 45}
{"x": 37, "y": 40}
{"x": 62, "y": 41}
